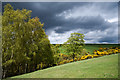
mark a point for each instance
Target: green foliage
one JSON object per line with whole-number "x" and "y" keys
{"x": 24, "y": 42}
{"x": 74, "y": 44}
{"x": 55, "y": 48}
{"x": 56, "y": 51}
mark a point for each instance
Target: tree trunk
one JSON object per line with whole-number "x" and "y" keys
{"x": 35, "y": 67}
{"x": 12, "y": 55}
{"x": 73, "y": 57}
{"x": 26, "y": 67}
{"x": 19, "y": 69}
{"x": 4, "y": 73}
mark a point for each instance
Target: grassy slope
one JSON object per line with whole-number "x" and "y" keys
{"x": 91, "y": 47}
{"x": 102, "y": 67}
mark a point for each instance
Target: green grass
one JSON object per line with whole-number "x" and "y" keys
{"x": 102, "y": 67}
{"x": 62, "y": 50}
{"x": 91, "y": 47}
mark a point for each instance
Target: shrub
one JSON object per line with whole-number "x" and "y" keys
{"x": 71, "y": 60}
{"x": 119, "y": 50}
{"x": 89, "y": 56}
{"x": 95, "y": 56}
{"x": 105, "y": 53}
{"x": 95, "y": 52}
{"x": 83, "y": 57}
{"x": 115, "y": 51}
{"x": 75, "y": 59}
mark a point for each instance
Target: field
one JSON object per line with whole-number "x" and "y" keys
{"x": 102, "y": 67}
{"x": 91, "y": 47}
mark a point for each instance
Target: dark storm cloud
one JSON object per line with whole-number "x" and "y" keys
{"x": 87, "y": 22}
{"x": 47, "y": 11}
{"x": 62, "y": 18}
{"x": 109, "y": 39}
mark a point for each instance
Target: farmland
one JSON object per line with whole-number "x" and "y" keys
{"x": 91, "y": 47}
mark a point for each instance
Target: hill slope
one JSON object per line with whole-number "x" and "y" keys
{"x": 91, "y": 47}
{"x": 102, "y": 67}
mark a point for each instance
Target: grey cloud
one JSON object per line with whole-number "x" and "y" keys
{"x": 88, "y": 22}
{"x": 91, "y": 16}
{"x": 109, "y": 39}
{"x": 46, "y": 11}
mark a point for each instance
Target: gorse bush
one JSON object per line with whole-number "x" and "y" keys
{"x": 25, "y": 46}
{"x": 96, "y": 53}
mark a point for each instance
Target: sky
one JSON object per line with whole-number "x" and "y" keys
{"x": 98, "y": 21}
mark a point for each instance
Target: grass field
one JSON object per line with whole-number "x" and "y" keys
{"x": 102, "y": 67}
{"x": 91, "y": 47}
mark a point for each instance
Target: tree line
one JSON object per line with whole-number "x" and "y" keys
{"x": 26, "y": 47}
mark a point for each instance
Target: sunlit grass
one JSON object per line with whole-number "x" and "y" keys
{"x": 102, "y": 67}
